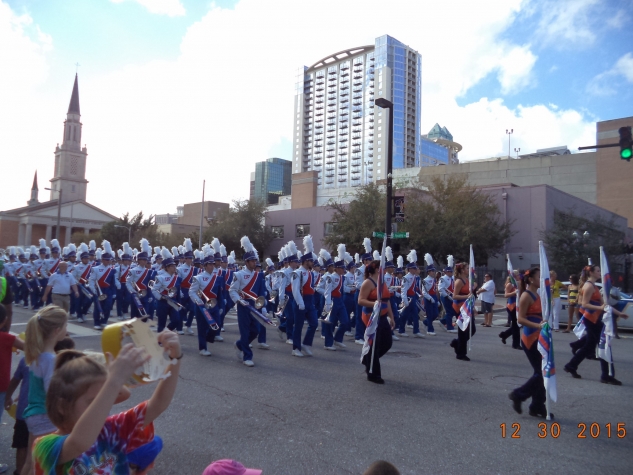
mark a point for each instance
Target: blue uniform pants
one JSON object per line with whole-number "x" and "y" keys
{"x": 122, "y": 300}
{"x": 410, "y": 313}
{"x": 350, "y": 307}
{"x": 188, "y": 312}
{"x": 432, "y": 311}
{"x": 309, "y": 314}
{"x": 249, "y": 329}
{"x": 83, "y": 304}
{"x": 338, "y": 315}
{"x": 450, "y": 312}
{"x": 205, "y": 333}
{"x": 289, "y": 313}
{"x": 106, "y": 306}
{"x": 164, "y": 310}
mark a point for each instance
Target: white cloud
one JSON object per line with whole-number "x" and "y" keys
{"x": 226, "y": 102}
{"x": 567, "y": 22}
{"x": 607, "y": 83}
{"x": 160, "y": 7}
{"x": 515, "y": 71}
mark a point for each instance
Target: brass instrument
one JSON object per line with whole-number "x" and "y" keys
{"x": 209, "y": 303}
{"x": 258, "y": 302}
{"x": 281, "y": 306}
{"x": 141, "y": 293}
{"x": 327, "y": 312}
{"x": 100, "y": 295}
{"x": 173, "y": 292}
{"x": 85, "y": 291}
{"x": 169, "y": 298}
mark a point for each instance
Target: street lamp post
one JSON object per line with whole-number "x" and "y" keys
{"x": 385, "y": 104}
{"x": 59, "y": 212}
{"x": 517, "y": 150}
{"x": 129, "y": 231}
{"x": 509, "y": 132}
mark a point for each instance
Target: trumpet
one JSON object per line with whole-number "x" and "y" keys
{"x": 258, "y": 302}
{"x": 209, "y": 303}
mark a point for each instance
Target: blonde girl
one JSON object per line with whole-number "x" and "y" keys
{"x": 80, "y": 397}
{"x": 43, "y": 331}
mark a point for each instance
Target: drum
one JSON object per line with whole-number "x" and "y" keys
{"x": 140, "y": 333}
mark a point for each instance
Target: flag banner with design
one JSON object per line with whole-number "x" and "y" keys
{"x": 546, "y": 348}
{"x": 471, "y": 270}
{"x": 466, "y": 313}
{"x": 545, "y": 291}
{"x": 372, "y": 324}
{"x": 603, "y": 349}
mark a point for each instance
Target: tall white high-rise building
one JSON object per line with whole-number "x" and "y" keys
{"x": 339, "y": 132}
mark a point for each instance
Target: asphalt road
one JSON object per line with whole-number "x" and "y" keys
{"x": 435, "y": 414}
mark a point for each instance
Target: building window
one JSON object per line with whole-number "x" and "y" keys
{"x": 278, "y": 232}
{"x": 329, "y": 229}
{"x": 302, "y": 230}
{"x": 74, "y": 165}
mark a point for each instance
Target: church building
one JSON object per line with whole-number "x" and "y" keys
{"x": 67, "y": 206}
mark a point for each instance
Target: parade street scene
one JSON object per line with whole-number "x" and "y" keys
{"x": 335, "y": 284}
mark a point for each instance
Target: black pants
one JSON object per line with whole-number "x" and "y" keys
{"x": 589, "y": 343}
{"x": 534, "y": 387}
{"x": 461, "y": 347}
{"x": 382, "y": 342}
{"x": 514, "y": 329}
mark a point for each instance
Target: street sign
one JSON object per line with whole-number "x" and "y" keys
{"x": 380, "y": 235}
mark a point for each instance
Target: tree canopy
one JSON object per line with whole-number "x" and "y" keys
{"x": 140, "y": 227}
{"x": 243, "y": 218}
{"x": 446, "y": 216}
{"x": 358, "y": 219}
{"x": 569, "y": 248}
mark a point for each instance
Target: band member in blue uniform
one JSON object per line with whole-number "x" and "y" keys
{"x": 303, "y": 292}
{"x": 429, "y": 292}
{"x": 392, "y": 284}
{"x": 186, "y": 272}
{"x": 445, "y": 287}
{"x": 137, "y": 283}
{"x": 122, "y": 293}
{"x": 410, "y": 297}
{"x": 166, "y": 291}
{"x": 103, "y": 282}
{"x": 81, "y": 273}
{"x": 248, "y": 285}
{"x": 359, "y": 277}
{"x": 325, "y": 262}
{"x": 335, "y": 286}
{"x": 207, "y": 290}
{"x": 286, "y": 293}
{"x": 350, "y": 303}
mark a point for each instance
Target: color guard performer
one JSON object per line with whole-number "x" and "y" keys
{"x": 303, "y": 292}
{"x": 285, "y": 291}
{"x": 186, "y": 272}
{"x": 461, "y": 294}
{"x": 359, "y": 277}
{"x": 247, "y": 286}
{"x": 207, "y": 295}
{"x": 103, "y": 281}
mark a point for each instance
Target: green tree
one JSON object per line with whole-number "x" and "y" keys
{"x": 574, "y": 239}
{"x": 358, "y": 219}
{"x": 243, "y": 218}
{"x": 140, "y": 227}
{"x": 447, "y": 216}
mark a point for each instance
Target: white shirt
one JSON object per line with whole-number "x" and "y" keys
{"x": 488, "y": 294}
{"x": 61, "y": 283}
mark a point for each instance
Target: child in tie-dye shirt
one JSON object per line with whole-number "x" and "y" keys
{"x": 78, "y": 402}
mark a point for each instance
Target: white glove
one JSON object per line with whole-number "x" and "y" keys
{"x": 243, "y": 302}
{"x": 264, "y": 312}
{"x": 428, "y": 297}
{"x": 182, "y": 295}
{"x": 302, "y": 307}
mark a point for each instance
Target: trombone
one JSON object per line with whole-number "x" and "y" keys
{"x": 281, "y": 306}
{"x": 258, "y": 302}
{"x": 100, "y": 295}
{"x": 209, "y": 303}
{"x": 327, "y": 312}
{"x": 169, "y": 298}
{"x": 141, "y": 293}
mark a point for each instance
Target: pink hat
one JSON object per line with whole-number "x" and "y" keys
{"x": 229, "y": 467}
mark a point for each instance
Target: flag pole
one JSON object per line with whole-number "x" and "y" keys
{"x": 379, "y": 304}
{"x": 470, "y": 285}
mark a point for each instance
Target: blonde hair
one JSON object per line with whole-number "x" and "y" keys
{"x": 74, "y": 373}
{"x": 40, "y": 328}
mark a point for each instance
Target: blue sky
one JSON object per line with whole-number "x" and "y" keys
{"x": 174, "y": 91}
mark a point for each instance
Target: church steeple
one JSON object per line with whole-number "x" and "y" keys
{"x": 73, "y": 107}
{"x": 34, "y": 192}
{"x": 70, "y": 157}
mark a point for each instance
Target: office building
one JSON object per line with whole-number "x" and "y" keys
{"x": 438, "y": 148}
{"x": 338, "y": 132}
{"x": 271, "y": 180}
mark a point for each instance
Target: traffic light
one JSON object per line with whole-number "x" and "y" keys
{"x": 626, "y": 143}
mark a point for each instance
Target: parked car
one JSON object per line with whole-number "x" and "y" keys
{"x": 618, "y": 299}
